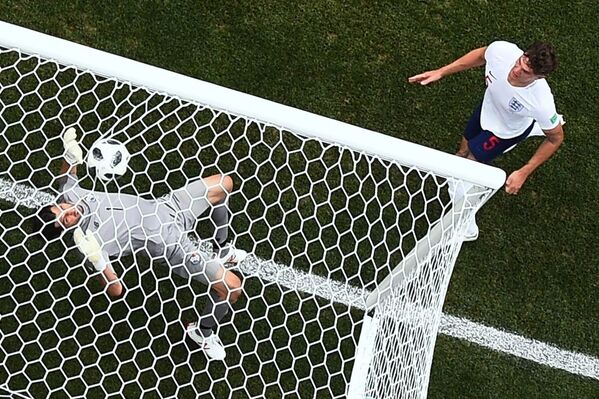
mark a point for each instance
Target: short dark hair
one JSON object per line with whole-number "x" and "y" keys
{"x": 542, "y": 58}
{"x": 44, "y": 222}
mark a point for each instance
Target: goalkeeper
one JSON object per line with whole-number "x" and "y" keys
{"x": 110, "y": 225}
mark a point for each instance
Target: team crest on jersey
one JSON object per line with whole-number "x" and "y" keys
{"x": 516, "y": 105}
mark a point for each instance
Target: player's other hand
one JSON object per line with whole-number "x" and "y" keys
{"x": 72, "y": 151}
{"x": 90, "y": 248}
{"x": 515, "y": 181}
{"x": 426, "y": 77}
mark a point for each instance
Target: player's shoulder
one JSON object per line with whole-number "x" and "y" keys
{"x": 542, "y": 86}
{"x": 541, "y": 91}
{"x": 501, "y": 49}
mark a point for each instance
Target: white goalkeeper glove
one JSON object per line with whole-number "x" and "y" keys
{"x": 90, "y": 248}
{"x": 72, "y": 151}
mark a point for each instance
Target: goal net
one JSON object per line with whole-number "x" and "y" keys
{"x": 352, "y": 236}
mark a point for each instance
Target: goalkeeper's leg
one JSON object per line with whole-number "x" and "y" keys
{"x": 222, "y": 294}
{"x": 219, "y": 187}
{"x": 225, "y": 289}
{"x": 209, "y": 193}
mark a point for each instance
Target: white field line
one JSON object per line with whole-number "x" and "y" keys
{"x": 531, "y": 349}
{"x": 284, "y": 275}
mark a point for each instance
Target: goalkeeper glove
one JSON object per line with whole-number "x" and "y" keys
{"x": 90, "y": 248}
{"x": 72, "y": 151}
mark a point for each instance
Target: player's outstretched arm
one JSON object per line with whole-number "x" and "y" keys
{"x": 109, "y": 280}
{"x": 73, "y": 154}
{"x": 91, "y": 249}
{"x": 426, "y": 77}
{"x": 474, "y": 58}
{"x": 548, "y": 147}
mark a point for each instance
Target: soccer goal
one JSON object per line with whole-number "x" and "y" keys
{"x": 352, "y": 237}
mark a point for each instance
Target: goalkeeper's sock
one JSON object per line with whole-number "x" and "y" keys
{"x": 220, "y": 217}
{"x": 214, "y": 311}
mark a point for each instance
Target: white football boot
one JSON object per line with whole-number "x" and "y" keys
{"x": 231, "y": 255}
{"x": 211, "y": 345}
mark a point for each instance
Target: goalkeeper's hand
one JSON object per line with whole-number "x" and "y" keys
{"x": 72, "y": 151}
{"x": 90, "y": 248}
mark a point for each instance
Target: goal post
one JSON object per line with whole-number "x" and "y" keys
{"x": 393, "y": 305}
{"x": 352, "y": 236}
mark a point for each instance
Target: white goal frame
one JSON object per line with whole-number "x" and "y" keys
{"x": 303, "y": 123}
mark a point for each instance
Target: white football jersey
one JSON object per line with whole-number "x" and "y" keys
{"x": 508, "y": 110}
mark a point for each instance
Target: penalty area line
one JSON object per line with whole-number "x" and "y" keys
{"x": 293, "y": 279}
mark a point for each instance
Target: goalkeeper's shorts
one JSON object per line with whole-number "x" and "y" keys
{"x": 483, "y": 144}
{"x": 190, "y": 202}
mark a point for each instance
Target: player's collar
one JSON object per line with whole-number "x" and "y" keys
{"x": 83, "y": 208}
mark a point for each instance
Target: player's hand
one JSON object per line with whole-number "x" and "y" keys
{"x": 72, "y": 151}
{"x": 426, "y": 77}
{"x": 515, "y": 181}
{"x": 90, "y": 248}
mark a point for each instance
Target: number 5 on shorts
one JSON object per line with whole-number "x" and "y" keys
{"x": 490, "y": 143}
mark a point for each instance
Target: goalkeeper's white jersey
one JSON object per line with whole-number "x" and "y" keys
{"x": 124, "y": 223}
{"x": 508, "y": 110}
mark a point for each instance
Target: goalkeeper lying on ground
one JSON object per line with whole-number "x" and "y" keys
{"x": 120, "y": 224}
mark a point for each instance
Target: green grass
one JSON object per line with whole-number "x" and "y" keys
{"x": 487, "y": 374}
{"x": 533, "y": 270}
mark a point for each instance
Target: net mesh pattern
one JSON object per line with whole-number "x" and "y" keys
{"x": 323, "y": 224}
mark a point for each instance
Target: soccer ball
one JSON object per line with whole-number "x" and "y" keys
{"x": 109, "y": 157}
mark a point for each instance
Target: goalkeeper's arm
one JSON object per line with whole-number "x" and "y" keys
{"x": 109, "y": 280}
{"x": 73, "y": 154}
{"x": 89, "y": 246}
